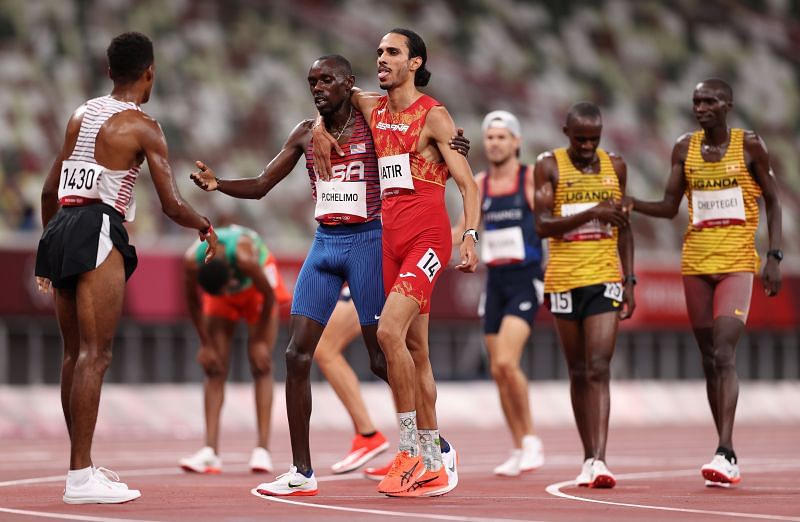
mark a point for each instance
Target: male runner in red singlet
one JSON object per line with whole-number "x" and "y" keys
{"x": 411, "y": 132}
{"x": 722, "y": 171}
{"x": 84, "y": 251}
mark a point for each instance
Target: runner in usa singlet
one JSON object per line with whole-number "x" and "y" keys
{"x": 416, "y": 227}
{"x": 352, "y": 195}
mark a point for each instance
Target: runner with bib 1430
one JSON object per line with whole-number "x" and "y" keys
{"x": 84, "y": 251}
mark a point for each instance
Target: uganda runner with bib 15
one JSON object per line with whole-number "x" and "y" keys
{"x": 577, "y": 206}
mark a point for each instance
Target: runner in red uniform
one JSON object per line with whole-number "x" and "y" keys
{"x": 411, "y": 133}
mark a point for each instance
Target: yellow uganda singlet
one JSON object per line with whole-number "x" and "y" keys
{"x": 723, "y": 211}
{"x": 586, "y": 255}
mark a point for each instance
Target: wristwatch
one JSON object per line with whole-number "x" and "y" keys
{"x": 777, "y": 254}
{"x": 471, "y": 232}
{"x": 629, "y": 279}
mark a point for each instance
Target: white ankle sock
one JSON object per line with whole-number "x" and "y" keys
{"x": 78, "y": 477}
{"x": 431, "y": 449}
{"x": 408, "y": 432}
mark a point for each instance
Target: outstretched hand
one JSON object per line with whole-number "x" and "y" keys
{"x": 204, "y": 177}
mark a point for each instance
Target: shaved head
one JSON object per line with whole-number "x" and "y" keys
{"x": 720, "y": 86}
{"x": 583, "y": 110}
{"x": 338, "y": 62}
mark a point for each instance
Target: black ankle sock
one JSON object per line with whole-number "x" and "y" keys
{"x": 370, "y": 434}
{"x": 728, "y": 453}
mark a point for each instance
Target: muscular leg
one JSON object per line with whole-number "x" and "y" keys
{"x": 259, "y": 351}
{"x": 377, "y": 360}
{"x": 699, "y": 293}
{"x": 727, "y": 331}
{"x": 99, "y": 298}
{"x": 221, "y": 333}
{"x": 340, "y": 331}
{"x": 705, "y": 341}
{"x": 505, "y": 351}
{"x": 425, "y": 391}
{"x": 600, "y": 338}
{"x": 396, "y": 317}
{"x": 571, "y": 335}
{"x": 305, "y": 336}
{"x": 67, "y": 315}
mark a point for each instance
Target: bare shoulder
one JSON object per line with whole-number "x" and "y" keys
{"x": 683, "y": 140}
{"x": 616, "y": 160}
{"x": 301, "y": 134}
{"x": 364, "y": 101}
{"x": 753, "y": 142}
{"x": 439, "y": 115}
{"x": 546, "y": 158}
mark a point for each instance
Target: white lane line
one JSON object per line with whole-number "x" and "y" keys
{"x": 386, "y": 513}
{"x": 85, "y": 518}
{"x": 555, "y": 490}
{"x": 64, "y": 516}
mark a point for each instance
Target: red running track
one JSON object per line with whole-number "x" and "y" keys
{"x": 657, "y": 470}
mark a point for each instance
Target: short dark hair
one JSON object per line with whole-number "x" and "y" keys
{"x": 416, "y": 47}
{"x": 129, "y": 54}
{"x": 339, "y": 61}
{"x": 584, "y": 110}
{"x": 213, "y": 276}
{"x": 721, "y": 86}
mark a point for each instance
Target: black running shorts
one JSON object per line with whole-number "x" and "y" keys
{"x": 579, "y": 303}
{"x": 79, "y": 239}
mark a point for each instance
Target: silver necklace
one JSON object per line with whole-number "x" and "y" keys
{"x": 341, "y": 131}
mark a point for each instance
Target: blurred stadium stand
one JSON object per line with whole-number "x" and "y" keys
{"x": 231, "y": 85}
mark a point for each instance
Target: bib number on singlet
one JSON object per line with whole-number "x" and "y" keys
{"x": 395, "y": 175}
{"x": 613, "y": 291}
{"x": 561, "y": 302}
{"x": 429, "y": 264}
{"x": 341, "y": 201}
{"x": 717, "y": 208}
{"x": 79, "y": 178}
{"x": 589, "y": 231}
{"x": 503, "y": 245}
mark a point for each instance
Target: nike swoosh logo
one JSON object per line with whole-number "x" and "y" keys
{"x": 408, "y": 274}
{"x": 291, "y": 485}
{"x": 737, "y": 311}
{"x": 377, "y": 316}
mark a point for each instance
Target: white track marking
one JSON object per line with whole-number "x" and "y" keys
{"x": 555, "y": 490}
{"x": 383, "y": 512}
{"x": 63, "y": 516}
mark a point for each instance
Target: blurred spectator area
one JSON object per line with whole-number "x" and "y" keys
{"x": 231, "y": 85}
